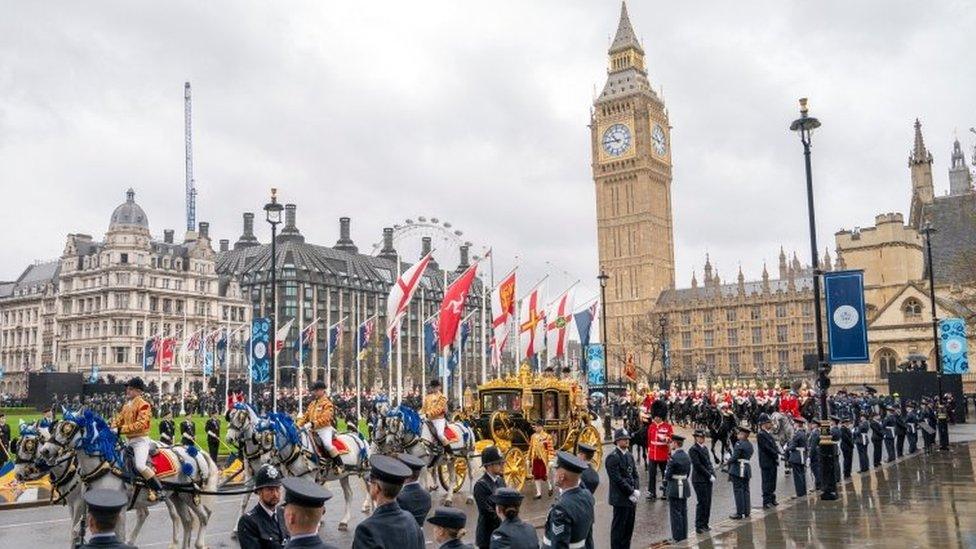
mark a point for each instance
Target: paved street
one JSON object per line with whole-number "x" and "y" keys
{"x": 900, "y": 498}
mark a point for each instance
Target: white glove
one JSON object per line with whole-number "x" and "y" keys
{"x": 636, "y": 494}
{"x": 712, "y": 478}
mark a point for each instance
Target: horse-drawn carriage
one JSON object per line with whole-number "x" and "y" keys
{"x": 505, "y": 408}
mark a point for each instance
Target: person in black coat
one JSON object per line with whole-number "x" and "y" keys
{"x": 590, "y": 478}
{"x": 449, "y": 527}
{"x": 304, "y": 507}
{"x": 890, "y": 425}
{"x": 768, "y": 461}
{"x": 389, "y": 526}
{"x": 569, "y": 523}
{"x": 484, "y": 488}
{"x": 413, "y": 498}
{"x": 911, "y": 428}
{"x": 796, "y": 456}
{"x": 929, "y": 417}
{"x": 104, "y": 508}
{"x": 212, "y": 428}
{"x": 847, "y": 445}
{"x": 901, "y": 429}
{"x": 167, "y": 429}
{"x": 188, "y": 431}
{"x": 862, "y": 435}
{"x": 702, "y": 480}
{"x": 623, "y": 490}
{"x": 4, "y": 439}
{"x": 676, "y": 479}
{"x": 877, "y": 437}
{"x": 813, "y": 447}
{"x": 513, "y": 533}
{"x": 740, "y": 471}
{"x": 263, "y": 527}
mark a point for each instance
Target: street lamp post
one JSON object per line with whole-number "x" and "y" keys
{"x": 272, "y": 212}
{"x": 663, "y": 321}
{"x": 828, "y": 449}
{"x": 603, "y": 277}
{"x": 943, "y": 420}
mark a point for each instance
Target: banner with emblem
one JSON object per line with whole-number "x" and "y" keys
{"x": 847, "y": 324}
{"x": 594, "y": 364}
{"x": 955, "y": 351}
{"x": 260, "y": 341}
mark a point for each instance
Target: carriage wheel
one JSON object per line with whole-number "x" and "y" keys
{"x": 589, "y": 435}
{"x": 515, "y": 469}
{"x": 460, "y": 465}
{"x": 499, "y": 427}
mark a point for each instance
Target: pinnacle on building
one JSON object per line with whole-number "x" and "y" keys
{"x": 923, "y": 191}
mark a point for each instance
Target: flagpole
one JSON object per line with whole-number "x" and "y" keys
{"x": 274, "y": 357}
{"x": 446, "y": 347}
{"x": 183, "y": 370}
{"x": 298, "y": 358}
{"x": 328, "y": 340}
{"x": 227, "y": 348}
{"x": 423, "y": 347}
{"x": 250, "y": 365}
{"x": 159, "y": 373}
{"x": 358, "y": 391}
{"x": 399, "y": 356}
{"x": 484, "y": 331}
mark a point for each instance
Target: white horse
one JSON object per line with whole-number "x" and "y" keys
{"x": 101, "y": 465}
{"x": 255, "y": 451}
{"x": 402, "y": 430}
{"x": 66, "y": 485}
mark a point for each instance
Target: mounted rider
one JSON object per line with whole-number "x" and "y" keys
{"x": 435, "y": 410}
{"x": 133, "y": 422}
{"x": 319, "y": 415}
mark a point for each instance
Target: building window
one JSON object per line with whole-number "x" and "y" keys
{"x": 734, "y": 362}
{"x": 781, "y": 334}
{"x": 120, "y": 353}
{"x": 709, "y": 338}
{"x": 686, "y": 340}
{"x": 757, "y": 335}
{"x": 124, "y": 258}
{"x": 757, "y": 360}
{"x": 685, "y": 317}
{"x": 887, "y": 361}
{"x": 755, "y": 313}
{"x": 780, "y": 310}
{"x": 730, "y": 315}
{"x": 807, "y": 308}
{"x": 710, "y": 360}
{"x": 808, "y": 331}
{"x": 783, "y": 360}
{"x": 912, "y": 308}
{"x": 707, "y": 317}
{"x": 733, "y": 336}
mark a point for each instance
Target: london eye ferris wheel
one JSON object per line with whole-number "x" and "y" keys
{"x": 445, "y": 239}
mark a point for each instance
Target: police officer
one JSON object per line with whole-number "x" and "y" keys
{"x": 449, "y": 528}
{"x": 389, "y": 526}
{"x": 4, "y": 438}
{"x": 702, "y": 480}
{"x": 847, "y": 444}
{"x": 263, "y": 526}
{"x": 188, "y": 431}
{"x": 513, "y": 533}
{"x": 212, "y": 427}
{"x": 862, "y": 434}
{"x": 104, "y": 508}
{"x": 590, "y": 478}
{"x": 890, "y": 425}
{"x": 570, "y": 519}
{"x": 768, "y": 460}
{"x": 676, "y": 479}
{"x": 740, "y": 471}
{"x": 167, "y": 429}
{"x": 304, "y": 507}
{"x": 624, "y": 491}
{"x": 412, "y": 497}
{"x": 813, "y": 447}
{"x": 901, "y": 429}
{"x": 877, "y": 437}
{"x": 911, "y": 428}
{"x": 494, "y": 464}
{"x": 796, "y": 456}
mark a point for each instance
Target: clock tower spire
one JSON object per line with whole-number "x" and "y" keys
{"x": 631, "y": 150}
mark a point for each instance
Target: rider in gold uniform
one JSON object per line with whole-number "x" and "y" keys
{"x": 133, "y": 422}
{"x": 435, "y": 410}
{"x": 319, "y": 415}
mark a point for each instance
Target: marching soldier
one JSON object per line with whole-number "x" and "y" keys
{"x": 435, "y": 410}
{"x": 890, "y": 425}
{"x": 658, "y": 437}
{"x": 877, "y": 436}
{"x": 862, "y": 434}
{"x": 188, "y": 431}
{"x": 676, "y": 480}
{"x": 319, "y": 415}
{"x": 104, "y": 508}
{"x": 513, "y": 532}
{"x": 796, "y": 456}
{"x": 4, "y": 439}
{"x": 570, "y": 520}
{"x": 488, "y": 521}
{"x": 847, "y": 445}
{"x": 540, "y": 453}
{"x": 304, "y": 507}
{"x": 702, "y": 479}
{"x": 813, "y": 447}
{"x": 768, "y": 461}
{"x": 389, "y": 526}
{"x": 590, "y": 478}
{"x": 930, "y": 420}
{"x": 911, "y": 428}
{"x": 212, "y": 428}
{"x": 167, "y": 429}
{"x": 263, "y": 527}
{"x": 412, "y": 497}
{"x": 133, "y": 422}
{"x": 901, "y": 429}
{"x": 624, "y": 490}
{"x": 740, "y": 471}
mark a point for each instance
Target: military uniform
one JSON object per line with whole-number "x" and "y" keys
{"x": 890, "y": 425}
{"x": 389, "y": 526}
{"x": 414, "y": 499}
{"x": 514, "y": 534}
{"x": 319, "y": 415}
{"x": 796, "y": 456}
{"x": 452, "y": 519}
{"x": 877, "y": 436}
{"x": 813, "y": 447}
{"x": 166, "y": 431}
{"x": 133, "y": 422}
{"x": 740, "y": 471}
{"x": 847, "y": 447}
{"x": 212, "y": 428}
{"x": 590, "y": 480}
{"x": 488, "y": 521}
{"x": 435, "y": 410}
{"x": 104, "y": 504}
{"x": 862, "y": 434}
{"x": 702, "y": 476}
{"x": 258, "y": 529}
{"x": 541, "y": 452}
{"x": 768, "y": 463}
{"x": 188, "y": 432}
{"x": 302, "y": 492}
{"x": 570, "y": 520}
{"x": 676, "y": 480}
{"x": 623, "y": 493}
{"x": 911, "y": 428}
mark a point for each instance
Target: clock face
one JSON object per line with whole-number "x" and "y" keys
{"x": 660, "y": 141}
{"x": 616, "y": 139}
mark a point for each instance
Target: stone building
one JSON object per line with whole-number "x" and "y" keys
{"x": 329, "y": 283}
{"x": 98, "y": 304}
{"x": 630, "y": 137}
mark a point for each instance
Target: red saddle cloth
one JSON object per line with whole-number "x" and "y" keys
{"x": 337, "y": 443}
{"x": 164, "y": 464}
{"x": 450, "y": 434}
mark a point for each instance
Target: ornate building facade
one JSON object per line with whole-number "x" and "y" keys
{"x": 631, "y": 150}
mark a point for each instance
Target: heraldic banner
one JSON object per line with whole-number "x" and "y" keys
{"x": 952, "y": 338}
{"x": 847, "y": 325}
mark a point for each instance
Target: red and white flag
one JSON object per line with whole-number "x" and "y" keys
{"x": 453, "y": 306}
{"x": 532, "y": 329}
{"x": 502, "y": 309}
{"x": 166, "y": 349}
{"x": 401, "y": 293}
{"x": 559, "y": 317}
{"x": 281, "y": 335}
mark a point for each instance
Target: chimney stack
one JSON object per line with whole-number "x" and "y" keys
{"x": 464, "y": 264}
{"x": 247, "y": 237}
{"x": 224, "y": 244}
{"x": 290, "y": 232}
{"x": 168, "y": 236}
{"x": 388, "y": 251}
{"x": 345, "y": 243}
{"x": 425, "y": 249}
{"x": 204, "y": 229}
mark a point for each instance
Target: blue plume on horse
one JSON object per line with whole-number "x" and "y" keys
{"x": 284, "y": 426}
{"x": 192, "y": 451}
{"x": 28, "y": 429}
{"x": 411, "y": 419}
{"x": 97, "y": 437}
{"x": 186, "y": 468}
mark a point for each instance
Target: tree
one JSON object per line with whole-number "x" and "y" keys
{"x": 645, "y": 337}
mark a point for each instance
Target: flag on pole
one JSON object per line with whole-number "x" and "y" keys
{"x": 365, "y": 333}
{"x": 401, "y": 293}
{"x": 190, "y": 346}
{"x": 533, "y": 327}
{"x": 281, "y": 335}
{"x": 303, "y": 342}
{"x": 166, "y": 351}
{"x": 557, "y": 325}
{"x": 150, "y": 350}
{"x": 584, "y": 321}
{"x": 259, "y": 343}
{"x": 502, "y": 310}
{"x": 430, "y": 342}
{"x": 453, "y": 306}
{"x": 221, "y": 347}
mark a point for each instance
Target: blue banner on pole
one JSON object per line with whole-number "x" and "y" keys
{"x": 846, "y": 321}
{"x": 260, "y": 357}
{"x": 594, "y": 364}
{"x": 955, "y": 350}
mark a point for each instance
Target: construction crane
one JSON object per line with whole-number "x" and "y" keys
{"x": 191, "y": 190}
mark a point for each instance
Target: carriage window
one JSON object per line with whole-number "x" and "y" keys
{"x": 549, "y": 410}
{"x": 564, "y": 403}
{"x": 506, "y": 402}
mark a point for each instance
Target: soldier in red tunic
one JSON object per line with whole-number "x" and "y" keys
{"x": 659, "y": 434}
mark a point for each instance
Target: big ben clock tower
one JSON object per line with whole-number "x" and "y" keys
{"x": 631, "y": 147}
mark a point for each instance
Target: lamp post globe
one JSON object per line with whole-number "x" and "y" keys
{"x": 272, "y": 211}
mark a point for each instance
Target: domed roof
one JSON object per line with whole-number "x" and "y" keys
{"x": 129, "y": 213}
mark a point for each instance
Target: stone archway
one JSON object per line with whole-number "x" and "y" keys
{"x": 886, "y": 361}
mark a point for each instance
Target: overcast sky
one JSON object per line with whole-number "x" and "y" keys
{"x": 474, "y": 112}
